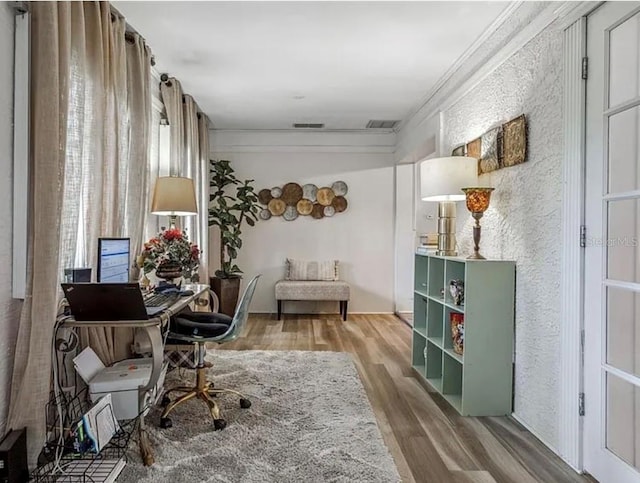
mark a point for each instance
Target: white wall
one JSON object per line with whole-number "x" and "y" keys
{"x": 9, "y": 307}
{"x": 524, "y": 219}
{"x": 361, "y": 237}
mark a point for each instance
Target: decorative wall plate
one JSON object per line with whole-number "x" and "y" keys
{"x": 474, "y": 148}
{"x": 339, "y": 188}
{"x": 309, "y": 192}
{"x": 264, "y": 214}
{"x": 291, "y": 193}
{"x": 329, "y": 210}
{"x": 277, "y": 206}
{"x": 305, "y": 207}
{"x": 514, "y": 140}
{"x": 318, "y": 211}
{"x": 264, "y": 196}
{"x": 290, "y": 213}
{"x": 339, "y": 203}
{"x": 276, "y": 192}
{"x": 489, "y": 159}
{"x": 325, "y": 196}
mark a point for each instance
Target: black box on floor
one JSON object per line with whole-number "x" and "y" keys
{"x": 13, "y": 457}
{"x": 75, "y": 275}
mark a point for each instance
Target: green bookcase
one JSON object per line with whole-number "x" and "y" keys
{"x": 478, "y": 382}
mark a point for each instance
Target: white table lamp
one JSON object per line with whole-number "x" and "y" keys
{"x": 441, "y": 179}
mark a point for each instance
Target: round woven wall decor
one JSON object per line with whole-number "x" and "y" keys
{"x": 264, "y": 196}
{"x": 304, "y": 207}
{"x": 339, "y": 203}
{"x": 318, "y": 211}
{"x": 290, "y": 213}
{"x": 339, "y": 188}
{"x": 276, "y": 192}
{"x": 264, "y": 214}
{"x": 277, "y": 207}
{"x": 309, "y": 192}
{"x": 291, "y": 193}
{"x": 325, "y": 196}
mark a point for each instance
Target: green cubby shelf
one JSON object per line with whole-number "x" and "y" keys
{"x": 479, "y": 381}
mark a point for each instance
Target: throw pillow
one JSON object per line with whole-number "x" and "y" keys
{"x": 312, "y": 270}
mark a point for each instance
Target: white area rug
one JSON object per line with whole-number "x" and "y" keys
{"x": 310, "y": 421}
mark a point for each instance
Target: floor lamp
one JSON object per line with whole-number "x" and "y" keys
{"x": 174, "y": 196}
{"x": 441, "y": 179}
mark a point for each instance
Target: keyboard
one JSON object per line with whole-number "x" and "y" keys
{"x": 161, "y": 299}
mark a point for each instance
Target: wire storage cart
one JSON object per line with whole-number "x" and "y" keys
{"x": 62, "y": 461}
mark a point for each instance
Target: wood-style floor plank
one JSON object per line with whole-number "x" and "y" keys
{"x": 429, "y": 440}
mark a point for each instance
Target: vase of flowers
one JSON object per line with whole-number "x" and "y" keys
{"x": 171, "y": 257}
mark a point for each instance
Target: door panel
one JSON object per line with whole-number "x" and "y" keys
{"x": 624, "y": 55}
{"x": 623, "y": 416}
{"x": 623, "y": 330}
{"x": 622, "y": 240}
{"x": 624, "y": 151}
{"x": 612, "y": 256}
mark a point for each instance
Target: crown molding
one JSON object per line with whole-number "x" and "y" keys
{"x": 466, "y": 55}
{"x": 371, "y": 150}
{"x": 564, "y": 11}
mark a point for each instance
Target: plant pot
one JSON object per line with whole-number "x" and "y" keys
{"x": 227, "y": 290}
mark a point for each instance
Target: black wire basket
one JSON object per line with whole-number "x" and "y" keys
{"x": 61, "y": 460}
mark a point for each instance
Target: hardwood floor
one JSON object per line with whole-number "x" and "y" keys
{"x": 429, "y": 441}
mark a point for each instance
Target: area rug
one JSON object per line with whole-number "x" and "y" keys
{"x": 310, "y": 421}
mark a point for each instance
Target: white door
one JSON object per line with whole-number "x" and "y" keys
{"x": 612, "y": 256}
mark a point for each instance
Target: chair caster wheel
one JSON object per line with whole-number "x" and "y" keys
{"x": 166, "y": 400}
{"x": 219, "y": 424}
{"x": 245, "y": 403}
{"x": 165, "y": 423}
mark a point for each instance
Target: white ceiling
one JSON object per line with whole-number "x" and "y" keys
{"x": 266, "y": 65}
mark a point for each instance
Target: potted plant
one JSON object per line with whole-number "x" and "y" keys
{"x": 228, "y": 213}
{"x": 169, "y": 256}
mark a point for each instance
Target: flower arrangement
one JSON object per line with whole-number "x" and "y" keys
{"x": 171, "y": 250}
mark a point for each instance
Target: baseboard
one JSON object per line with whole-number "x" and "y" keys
{"x": 551, "y": 447}
{"x": 323, "y": 313}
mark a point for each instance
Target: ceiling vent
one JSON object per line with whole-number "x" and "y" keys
{"x": 308, "y": 125}
{"x": 382, "y": 124}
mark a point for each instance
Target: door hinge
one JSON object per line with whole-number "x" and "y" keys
{"x": 581, "y": 404}
{"x": 583, "y": 236}
{"x": 585, "y": 67}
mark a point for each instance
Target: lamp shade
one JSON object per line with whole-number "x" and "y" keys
{"x": 174, "y": 196}
{"x": 442, "y": 178}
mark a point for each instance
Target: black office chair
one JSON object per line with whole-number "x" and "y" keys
{"x": 200, "y": 328}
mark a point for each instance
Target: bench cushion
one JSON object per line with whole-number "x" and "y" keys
{"x": 311, "y": 290}
{"x": 311, "y": 270}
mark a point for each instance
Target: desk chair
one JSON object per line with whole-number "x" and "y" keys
{"x": 200, "y": 328}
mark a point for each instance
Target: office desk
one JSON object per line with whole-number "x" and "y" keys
{"x": 153, "y": 329}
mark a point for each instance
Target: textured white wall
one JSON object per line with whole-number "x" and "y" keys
{"x": 362, "y": 237}
{"x": 524, "y": 219}
{"x": 9, "y": 307}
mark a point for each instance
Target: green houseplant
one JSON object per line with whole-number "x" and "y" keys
{"x": 228, "y": 212}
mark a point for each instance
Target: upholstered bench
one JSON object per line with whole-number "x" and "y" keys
{"x": 307, "y": 281}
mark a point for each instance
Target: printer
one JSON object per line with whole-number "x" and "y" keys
{"x": 122, "y": 380}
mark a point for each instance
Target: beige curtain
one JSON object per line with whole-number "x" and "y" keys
{"x": 190, "y": 162}
{"x": 171, "y": 92}
{"x": 49, "y": 99}
{"x": 190, "y": 158}
{"x": 203, "y": 195}
{"x": 90, "y": 111}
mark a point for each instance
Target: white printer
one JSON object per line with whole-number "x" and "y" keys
{"x": 121, "y": 380}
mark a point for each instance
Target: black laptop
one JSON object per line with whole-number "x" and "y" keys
{"x": 108, "y": 301}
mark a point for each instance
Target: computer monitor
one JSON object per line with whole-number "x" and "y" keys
{"x": 113, "y": 260}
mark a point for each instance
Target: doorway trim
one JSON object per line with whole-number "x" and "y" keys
{"x": 572, "y": 239}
